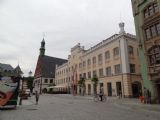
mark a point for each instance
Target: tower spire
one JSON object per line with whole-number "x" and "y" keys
{"x": 42, "y": 49}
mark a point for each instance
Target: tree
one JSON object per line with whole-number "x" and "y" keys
{"x": 30, "y": 82}
{"x": 95, "y": 82}
{"x": 81, "y": 84}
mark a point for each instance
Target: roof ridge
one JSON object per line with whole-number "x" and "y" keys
{"x": 55, "y": 57}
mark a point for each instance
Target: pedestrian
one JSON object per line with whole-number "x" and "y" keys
{"x": 120, "y": 94}
{"x": 37, "y": 97}
{"x": 145, "y": 96}
{"x": 101, "y": 94}
{"x": 149, "y": 96}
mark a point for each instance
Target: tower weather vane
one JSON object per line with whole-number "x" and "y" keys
{"x": 43, "y": 34}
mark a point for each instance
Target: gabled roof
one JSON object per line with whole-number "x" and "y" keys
{"x": 46, "y": 66}
{"x": 7, "y": 67}
{"x": 18, "y": 70}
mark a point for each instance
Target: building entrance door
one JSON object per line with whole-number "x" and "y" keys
{"x": 109, "y": 89}
{"x": 136, "y": 89}
{"x": 89, "y": 89}
{"x": 119, "y": 88}
{"x": 158, "y": 92}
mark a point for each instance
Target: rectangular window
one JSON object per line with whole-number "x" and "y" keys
{"x": 158, "y": 28}
{"x": 130, "y": 50}
{"x": 148, "y": 33}
{"x": 51, "y": 80}
{"x": 153, "y": 31}
{"x": 108, "y": 71}
{"x": 116, "y": 51}
{"x": 156, "y": 8}
{"x": 146, "y": 13}
{"x": 80, "y": 65}
{"x": 84, "y": 75}
{"x": 101, "y": 72}
{"x": 117, "y": 69}
{"x": 80, "y": 76}
{"x": 89, "y": 74}
{"x": 107, "y": 55}
{"x": 84, "y": 64}
{"x": 89, "y": 62}
{"x": 46, "y": 80}
{"x": 94, "y": 60}
{"x": 94, "y": 73}
{"x": 132, "y": 68}
{"x": 100, "y": 58}
{"x": 151, "y": 11}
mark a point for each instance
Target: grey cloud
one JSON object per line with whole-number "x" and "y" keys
{"x": 65, "y": 22}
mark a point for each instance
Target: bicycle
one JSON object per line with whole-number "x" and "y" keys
{"x": 97, "y": 98}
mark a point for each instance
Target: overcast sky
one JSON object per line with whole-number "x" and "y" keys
{"x": 65, "y": 23}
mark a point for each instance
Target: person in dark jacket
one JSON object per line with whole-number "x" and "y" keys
{"x": 101, "y": 93}
{"x": 37, "y": 97}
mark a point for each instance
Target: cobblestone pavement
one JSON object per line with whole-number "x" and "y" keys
{"x": 67, "y": 107}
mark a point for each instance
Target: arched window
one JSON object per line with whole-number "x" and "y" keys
{"x": 154, "y": 55}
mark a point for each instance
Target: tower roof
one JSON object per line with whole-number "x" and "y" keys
{"x": 43, "y": 40}
{"x": 18, "y": 70}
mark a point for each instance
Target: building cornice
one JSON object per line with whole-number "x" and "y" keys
{"x": 108, "y": 41}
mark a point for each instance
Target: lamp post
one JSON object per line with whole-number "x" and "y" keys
{"x": 21, "y": 92}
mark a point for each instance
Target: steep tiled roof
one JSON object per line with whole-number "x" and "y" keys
{"x": 46, "y": 66}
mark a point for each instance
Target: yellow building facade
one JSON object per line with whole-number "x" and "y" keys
{"x": 114, "y": 61}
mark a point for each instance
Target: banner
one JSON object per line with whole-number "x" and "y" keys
{"x": 9, "y": 88}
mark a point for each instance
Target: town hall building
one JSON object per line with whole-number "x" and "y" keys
{"x": 45, "y": 70}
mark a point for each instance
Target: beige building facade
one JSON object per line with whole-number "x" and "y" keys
{"x": 114, "y": 61}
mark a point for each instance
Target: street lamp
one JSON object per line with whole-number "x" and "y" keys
{"x": 21, "y": 91}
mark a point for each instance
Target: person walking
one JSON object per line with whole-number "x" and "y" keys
{"x": 145, "y": 96}
{"x": 120, "y": 94}
{"x": 101, "y": 94}
{"x": 149, "y": 96}
{"x": 37, "y": 97}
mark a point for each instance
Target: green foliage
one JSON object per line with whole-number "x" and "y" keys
{"x": 29, "y": 82}
{"x": 95, "y": 82}
{"x": 81, "y": 82}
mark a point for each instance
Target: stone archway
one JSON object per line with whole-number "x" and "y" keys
{"x": 136, "y": 89}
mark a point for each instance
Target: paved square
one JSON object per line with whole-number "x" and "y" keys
{"x": 67, "y": 107}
